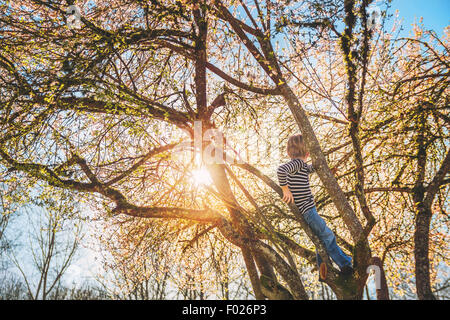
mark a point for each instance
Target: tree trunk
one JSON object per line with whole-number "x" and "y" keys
{"x": 423, "y": 214}
{"x": 421, "y": 250}
{"x": 253, "y": 274}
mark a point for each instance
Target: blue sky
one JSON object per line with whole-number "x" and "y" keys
{"x": 436, "y": 16}
{"x": 435, "y": 13}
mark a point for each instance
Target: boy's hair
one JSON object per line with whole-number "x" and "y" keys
{"x": 296, "y": 147}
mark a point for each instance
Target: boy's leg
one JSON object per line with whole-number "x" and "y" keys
{"x": 334, "y": 250}
{"x": 328, "y": 238}
{"x": 318, "y": 259}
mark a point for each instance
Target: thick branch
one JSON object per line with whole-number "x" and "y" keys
{"x": 437, "y": 181}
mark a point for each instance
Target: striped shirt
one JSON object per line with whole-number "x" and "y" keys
{"x": 295, "y": 174}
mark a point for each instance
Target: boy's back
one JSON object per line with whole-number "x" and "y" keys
{"x": 295, "y": 174}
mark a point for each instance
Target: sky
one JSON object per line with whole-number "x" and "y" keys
{"x": 435, "y": 13}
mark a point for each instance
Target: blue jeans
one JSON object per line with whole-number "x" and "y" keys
{"x": 319, "y": 227}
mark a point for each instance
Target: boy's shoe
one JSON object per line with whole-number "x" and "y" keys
{"x": 323, "y": 271}
{"x": 346, "y": 271}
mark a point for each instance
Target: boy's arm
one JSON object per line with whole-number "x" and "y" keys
{"x": 287, "y": 194}
{"x": 310, "y": 169}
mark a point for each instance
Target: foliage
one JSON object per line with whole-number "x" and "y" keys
{"x": 108, "y": 113}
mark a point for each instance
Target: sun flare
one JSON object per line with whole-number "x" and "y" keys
{"x": 201, "y": 176}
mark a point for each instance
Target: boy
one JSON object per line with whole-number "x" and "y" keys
{"x": 293, "y": 178}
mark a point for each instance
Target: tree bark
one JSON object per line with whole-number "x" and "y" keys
{"x": 421, "y": 251}
{"x": 423, "y": 215}
{"x": 253, "y": 274}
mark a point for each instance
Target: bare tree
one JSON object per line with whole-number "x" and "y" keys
{"x": 52, "y": 242}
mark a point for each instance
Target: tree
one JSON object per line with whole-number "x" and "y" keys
{"x": 110, "y": 102}
{"x": 53, "y": 243}
{"x": 417, "y": 90}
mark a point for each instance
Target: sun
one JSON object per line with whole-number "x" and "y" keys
{"x": 201, "y": 176}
